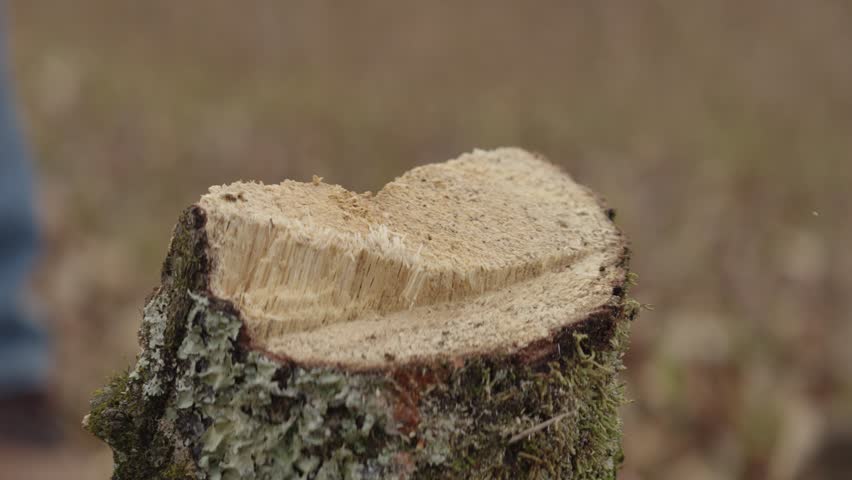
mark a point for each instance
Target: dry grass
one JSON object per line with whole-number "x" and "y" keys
{"x": 720, "y": 130}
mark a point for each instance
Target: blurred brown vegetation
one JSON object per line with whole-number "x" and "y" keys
{"x": 721, "y": 130}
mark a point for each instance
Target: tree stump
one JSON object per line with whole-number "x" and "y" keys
{"x": 467, "y": 321}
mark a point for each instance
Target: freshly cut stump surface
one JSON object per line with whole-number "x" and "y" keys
{"x": 466, "y": 321}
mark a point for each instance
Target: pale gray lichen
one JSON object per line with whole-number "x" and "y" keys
{"x": 232, "y": 412}
{"x": 151, "y": 360}
{"x": 262, "y": 421}
{"x": 255, "y": 418}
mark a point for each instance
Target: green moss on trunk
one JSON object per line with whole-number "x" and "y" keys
{"x": 127, "y": 413}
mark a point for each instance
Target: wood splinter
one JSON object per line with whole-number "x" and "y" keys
{"x": 467, "y": 321}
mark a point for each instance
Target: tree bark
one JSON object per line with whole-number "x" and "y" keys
{"x": 220, "y": 391}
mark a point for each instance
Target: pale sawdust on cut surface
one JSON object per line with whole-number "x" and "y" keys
{"x": 487, "y": 252}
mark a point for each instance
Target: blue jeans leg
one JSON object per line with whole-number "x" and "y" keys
{"x": 24, "y": 355}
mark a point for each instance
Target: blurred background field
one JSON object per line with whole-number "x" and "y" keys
{"x": 720, "y": 130}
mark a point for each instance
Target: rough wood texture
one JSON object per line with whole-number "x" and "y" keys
{"x": 467, "y": 321}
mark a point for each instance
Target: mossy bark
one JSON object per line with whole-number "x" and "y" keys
{"x": 201, "y": 403}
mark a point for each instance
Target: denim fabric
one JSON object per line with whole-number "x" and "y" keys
{"x": 23, "y": 344}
